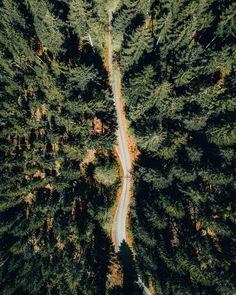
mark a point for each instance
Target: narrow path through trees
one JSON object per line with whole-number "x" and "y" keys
{"x": 125, "y": 159}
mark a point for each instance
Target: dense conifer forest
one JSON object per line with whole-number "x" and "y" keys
{"x": 178, "y": 66}
{"x": 59, "y": 170}
{"x": 58, "y": 175}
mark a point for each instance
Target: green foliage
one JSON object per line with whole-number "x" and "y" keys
{"x": 180, "y": 103}
{"x": 52, "y": 240}
{"x": 106, "y": 175}
{"x": 88, "y": 19}
{"x": 139, "y": 42}
{"x": 57, "y": 130}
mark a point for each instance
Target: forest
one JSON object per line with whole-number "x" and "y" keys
{"x": 60, "y": 175}
{"x": 178, "y": 67}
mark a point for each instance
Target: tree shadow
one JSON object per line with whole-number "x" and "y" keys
{"x": 130, "y": 285}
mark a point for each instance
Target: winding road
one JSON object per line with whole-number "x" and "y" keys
{"x": 122, "y": 210}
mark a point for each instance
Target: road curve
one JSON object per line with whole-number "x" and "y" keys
{"x": 122, "y": 210}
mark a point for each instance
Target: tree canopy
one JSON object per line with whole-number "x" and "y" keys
{"x": 178, "y": 67}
